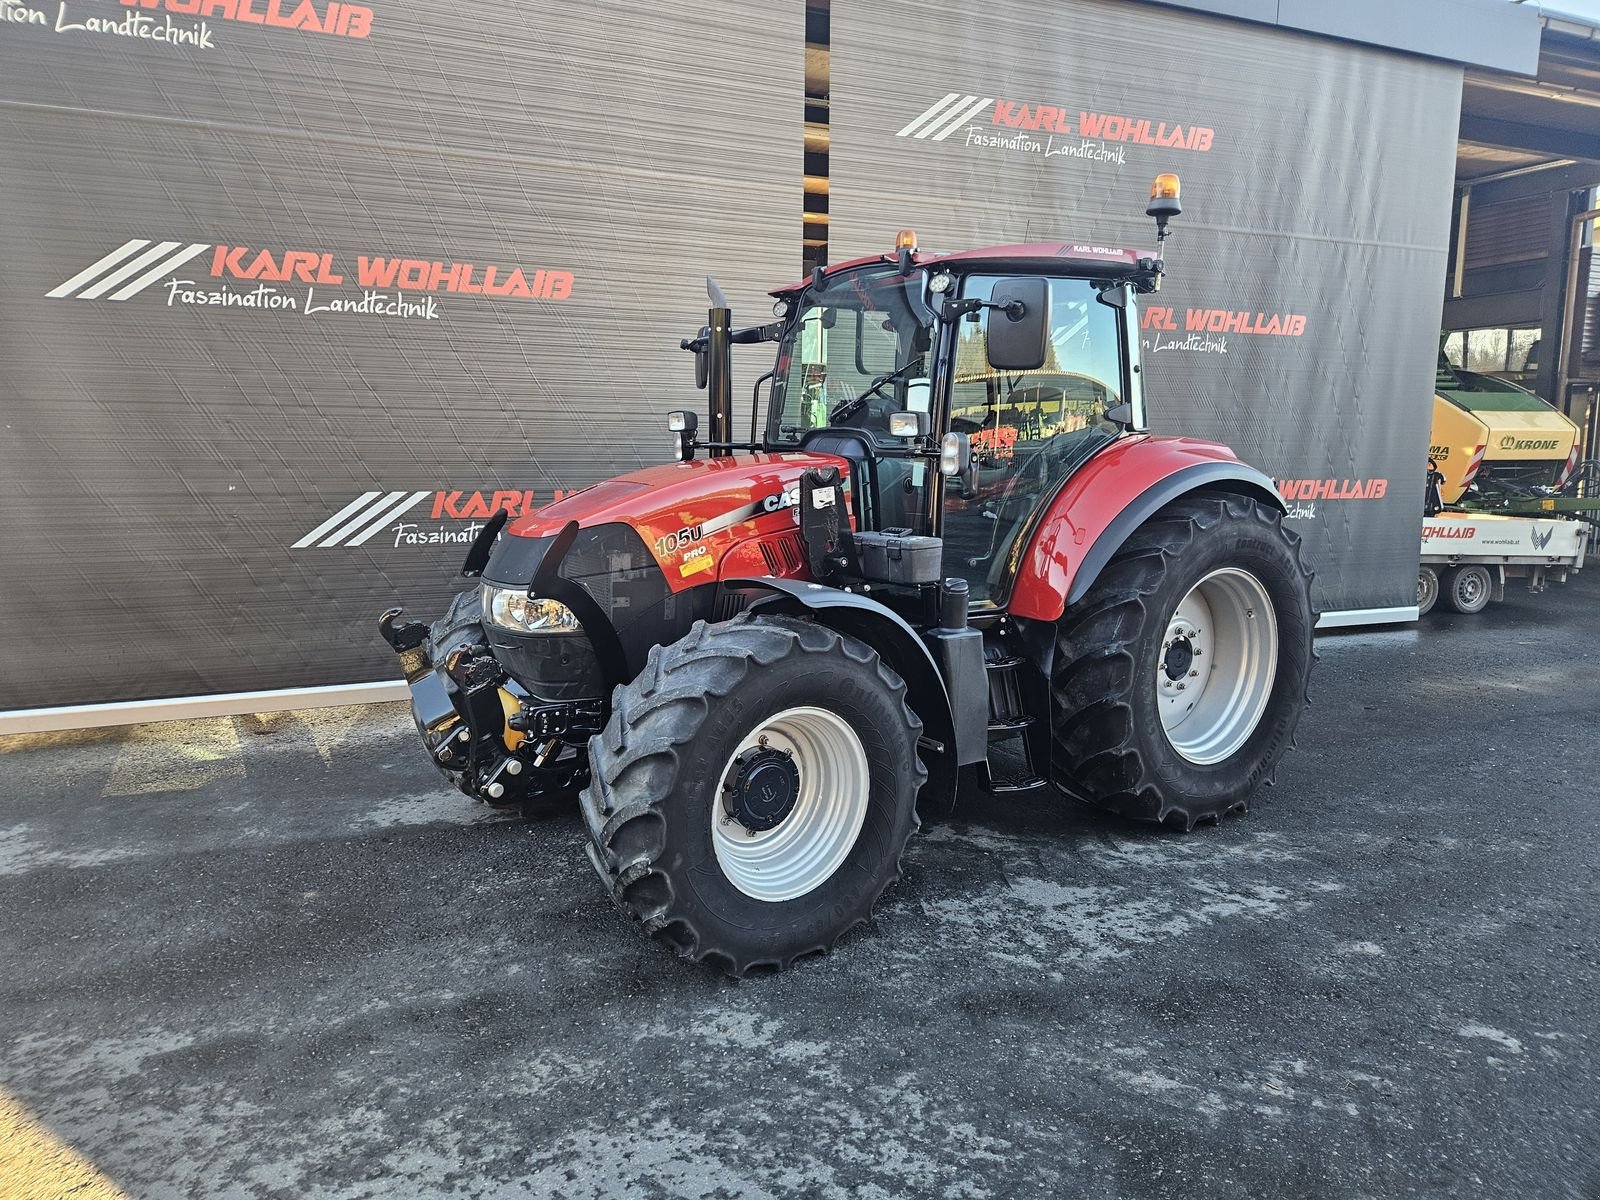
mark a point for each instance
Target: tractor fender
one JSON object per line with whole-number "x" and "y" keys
{"x": 1110, "y": 496}
{"x": 898, "y": 644}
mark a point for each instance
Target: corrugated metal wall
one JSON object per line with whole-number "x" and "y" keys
{"x": 1317, "y": 180}
{"x": 163, "y": 458}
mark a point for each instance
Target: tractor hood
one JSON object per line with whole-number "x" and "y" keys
{"x": 688, "y": 515}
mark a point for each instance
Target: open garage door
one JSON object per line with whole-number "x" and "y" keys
{"x": 1523, "y": 295}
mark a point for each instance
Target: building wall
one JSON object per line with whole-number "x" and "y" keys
{"x": 293, "y": 290}
{"x": 163, "y": 459}
{"x": 1300, "y": 319}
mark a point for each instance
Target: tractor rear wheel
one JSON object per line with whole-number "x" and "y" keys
{"x": 1180, "y": 676}
{"x": 754, "y": 790}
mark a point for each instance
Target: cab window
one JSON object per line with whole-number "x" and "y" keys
{"x": 1029, "y": 430}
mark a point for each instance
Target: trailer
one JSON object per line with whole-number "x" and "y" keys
{"x": 1467, "y": 557}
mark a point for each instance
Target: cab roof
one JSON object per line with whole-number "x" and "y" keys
{"x": 1074, "y": 258}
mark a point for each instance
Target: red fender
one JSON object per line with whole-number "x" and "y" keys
{"x": 1110, "y": 496}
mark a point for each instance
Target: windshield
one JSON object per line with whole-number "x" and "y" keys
{"x": 856, "y": 351}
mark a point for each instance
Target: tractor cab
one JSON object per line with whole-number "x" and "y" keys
{"x": 965, "y": 389}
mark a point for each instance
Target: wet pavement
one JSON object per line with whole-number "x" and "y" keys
{"x": 273, "y": 957}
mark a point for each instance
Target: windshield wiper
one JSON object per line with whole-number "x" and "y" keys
{"x": 850, "y": 407}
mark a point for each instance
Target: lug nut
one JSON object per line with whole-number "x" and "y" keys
{"x": 495, "y": 790}
{"x": 514, "y": 767}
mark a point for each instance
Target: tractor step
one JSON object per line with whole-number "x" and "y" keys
{"x": 999, "y": 730}
{"x": 1011, "y": 786}
{"x": 1007, "y": 716}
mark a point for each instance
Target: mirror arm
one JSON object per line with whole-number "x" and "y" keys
{"x": 954, "y": 310}
{"x": 751, "y": 334}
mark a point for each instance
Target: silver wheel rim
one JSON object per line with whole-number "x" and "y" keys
{"x": 1427, "y": 588}
{"x": 804, "y": 850}
{"x": 1472, "y": 587}
{"x": 1224, "y": 637}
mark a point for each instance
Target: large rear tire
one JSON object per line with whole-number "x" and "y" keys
{"x": 1180, "y": 677}
{"x": 754, "y": 790}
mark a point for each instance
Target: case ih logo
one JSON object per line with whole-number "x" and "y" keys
{"x": 138, "y": 263}
{"x": 1050, "y": 130}
{"x": 372, "y": 513}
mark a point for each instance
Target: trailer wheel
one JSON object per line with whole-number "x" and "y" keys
{"x": 754, "y": 790}
{"x": 1427, "y": 590}
{"x": 1180, "y": 677}
{"x": 1467, "y": 588}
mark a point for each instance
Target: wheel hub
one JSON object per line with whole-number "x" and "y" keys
{"x": 763, "y": 788}
{"x": 1217, "y": 663}
{"x": 1179, "y": 657}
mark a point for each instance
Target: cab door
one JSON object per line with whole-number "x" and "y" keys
{"x": 1029, "y": 430}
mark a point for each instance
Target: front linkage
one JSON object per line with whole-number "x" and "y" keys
{"x": 497, "y": 743}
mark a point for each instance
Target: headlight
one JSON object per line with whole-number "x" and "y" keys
{"x": 512, "y": 609}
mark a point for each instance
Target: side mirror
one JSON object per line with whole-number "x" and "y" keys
{"x": 702, "y": 357}
{"x": 1018, "y": 324}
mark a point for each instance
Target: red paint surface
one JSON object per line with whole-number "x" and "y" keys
{"x": 1089, "y": 502}
{"x": 669, "y": 503}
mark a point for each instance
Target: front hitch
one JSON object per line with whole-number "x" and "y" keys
{"x": 496, "y": 743}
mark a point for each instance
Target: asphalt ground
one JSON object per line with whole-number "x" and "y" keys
{"x": 273, "y": 957}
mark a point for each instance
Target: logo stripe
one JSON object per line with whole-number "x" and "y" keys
{"x": 967, "y": 113}
{"x": 398, "y": 510}
{"x": 929, "y": 114}
{"x": 138, "y": 263}
{"x": 89, "y": 272}
{"x": 156, "y": 272}
{"x": 359, "y": 520}
{"x": 360, "y": 501}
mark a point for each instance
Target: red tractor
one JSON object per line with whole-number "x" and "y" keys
{"x": 948, "y": 529}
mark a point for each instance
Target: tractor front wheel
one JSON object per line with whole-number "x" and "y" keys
{"x": 1180, "y": 676}
{"x": 754, "y": 790}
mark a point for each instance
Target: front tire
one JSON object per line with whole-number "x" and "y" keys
{"x": 754, "y": 790}
{"x": 1180, "y": 678}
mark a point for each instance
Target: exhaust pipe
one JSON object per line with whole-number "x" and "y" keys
{"x": 719, "y": 375}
